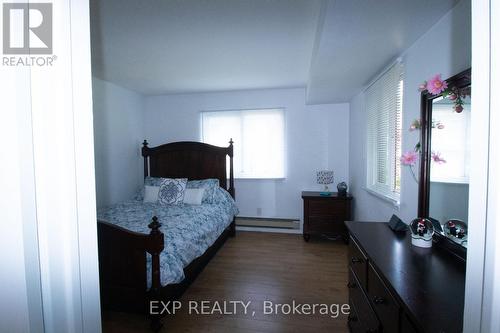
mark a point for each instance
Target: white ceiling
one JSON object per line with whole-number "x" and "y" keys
{"x": 179, "y": 46}
{"x": 182, "y": 46}
{"x": 360, "y": 37}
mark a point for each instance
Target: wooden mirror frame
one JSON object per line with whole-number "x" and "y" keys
{"x": 461, "y": 80}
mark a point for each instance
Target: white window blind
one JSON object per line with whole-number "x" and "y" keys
{"x": 259, "y": 139}
{"x": 384, "y": 103}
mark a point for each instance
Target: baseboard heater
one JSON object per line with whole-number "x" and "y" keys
{"x": 266, "y": 222}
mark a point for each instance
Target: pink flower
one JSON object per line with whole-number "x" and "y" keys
{"x": 452, "y": 97}
{"x": 409, "y": 158}
{"x": 436, "y": 86}
{"x": 422, "y": 86}
{"x": 436, "y": 157}
{"x": 415, "y": 125}
{"x": 459, "y": 108}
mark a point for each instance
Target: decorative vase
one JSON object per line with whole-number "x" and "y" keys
{"x": 421, "y": 232}
{"x": 342, "y": 189}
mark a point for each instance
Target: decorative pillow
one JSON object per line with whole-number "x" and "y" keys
{"x": 149, "y": 181}
{"x": 210, "y": 185}
{"x": 151, "y": 193}
{"x": 172, "y": 191}
{"x": 193, "y": 196}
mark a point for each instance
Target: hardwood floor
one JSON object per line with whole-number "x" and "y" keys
{"x": 259, "y": 267}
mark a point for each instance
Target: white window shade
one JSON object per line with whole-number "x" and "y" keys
{"x": 259, "y": 140}
{"x": 383, "y": 100}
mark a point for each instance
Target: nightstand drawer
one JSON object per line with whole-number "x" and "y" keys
{"x": 326, "y": 224}
{"x": 384, "y": 304}
{"x": 334, "y": 209}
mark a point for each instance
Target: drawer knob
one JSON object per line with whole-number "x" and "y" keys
{"x": 356, "y": 260}
{"x": 351, "y": 285}
{"x": 378, "y": 300}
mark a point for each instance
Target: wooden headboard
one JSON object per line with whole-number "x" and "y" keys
{"x": 192, "y": 160}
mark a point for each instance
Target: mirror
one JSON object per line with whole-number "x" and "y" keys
{"x": 444, "y": 169}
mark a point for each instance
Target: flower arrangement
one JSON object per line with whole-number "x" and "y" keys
{"x": 435, "y": 86}
{"x": 410, "y": 158}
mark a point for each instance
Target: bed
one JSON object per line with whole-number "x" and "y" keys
{"x": 152, "y": 252}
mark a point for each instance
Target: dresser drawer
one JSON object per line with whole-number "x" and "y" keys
{"x": 385, "y": 306}
{"x": 357, "y": 262}
{"x": 363, "y": 316}
{"x": 338, "y": 209}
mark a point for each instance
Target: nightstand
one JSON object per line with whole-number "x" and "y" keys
{"x": 325, "y": 215}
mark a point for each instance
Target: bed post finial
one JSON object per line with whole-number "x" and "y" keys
{"x": 231, "y": 172}
{"x": 145, "y": 149}
{"x": 155, "y": 245}
{"x": 154, "y": 226}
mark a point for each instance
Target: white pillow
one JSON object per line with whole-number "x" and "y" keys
{"x": 151, "y": 193}
{"x": 193, "y": 196}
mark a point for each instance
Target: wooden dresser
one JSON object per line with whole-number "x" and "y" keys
{"x": 396, "y": 287}
{"x": 325, "y": 215}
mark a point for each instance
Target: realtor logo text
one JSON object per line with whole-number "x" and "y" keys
{"x": 27, "y": 34}
{"x": 234, "y": 307}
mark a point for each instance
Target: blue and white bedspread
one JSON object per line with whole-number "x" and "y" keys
{"x": 189, "y": 229}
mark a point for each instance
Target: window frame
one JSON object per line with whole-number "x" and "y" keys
{"x": 391, "y": 189}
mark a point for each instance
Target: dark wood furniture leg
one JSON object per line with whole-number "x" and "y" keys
{"x": 232, "y": 232}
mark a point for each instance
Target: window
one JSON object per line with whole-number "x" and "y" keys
{"x": 384, "y": 101}
{"x": 452, "y": 143}
{"x": 259, "y": 140}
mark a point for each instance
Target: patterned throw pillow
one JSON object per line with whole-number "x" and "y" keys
{"x": 210, "y": 185}
{"x": 172, "y": 191}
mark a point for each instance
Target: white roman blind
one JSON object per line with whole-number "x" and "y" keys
{"x": 384, "y": 104}
{"x": 259, "y": 139}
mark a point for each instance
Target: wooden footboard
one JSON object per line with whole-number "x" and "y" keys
{"x": 122, "y": 266}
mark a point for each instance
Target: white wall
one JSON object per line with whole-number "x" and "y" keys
{"x": 49, "y": 280}
{"x": 118, "y": 137}
{"x": 316, "y": 138}
{"x": 445, "y": 49}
